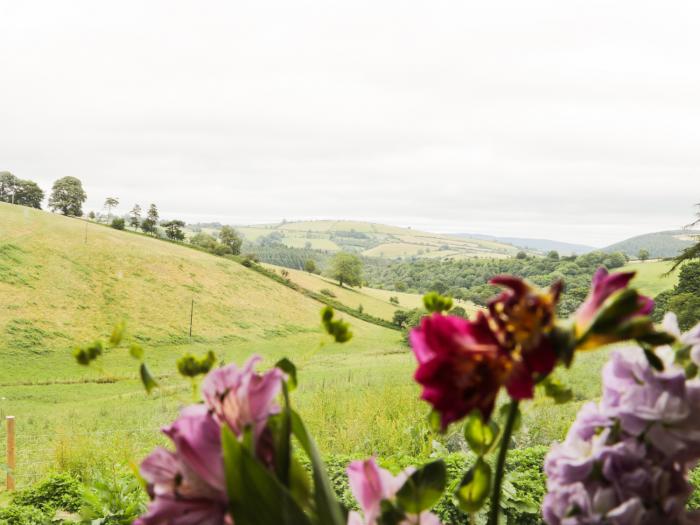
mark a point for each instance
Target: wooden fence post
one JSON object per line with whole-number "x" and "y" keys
{"x": 11, "y": 452}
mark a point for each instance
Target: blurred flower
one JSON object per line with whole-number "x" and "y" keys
{"x": 522, "y": 319}
{"x": 625, "y": 460}
{"x": 461, "y": 366}
{"x": 240, "y": 397}
{"x": 187, "y": 486}
{"x": 691, "y": 338}
{"x": 600, "y": 318}
{"x": 371, "y": 485}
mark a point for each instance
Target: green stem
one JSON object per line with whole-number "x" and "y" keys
{"x": 501, "y": 463}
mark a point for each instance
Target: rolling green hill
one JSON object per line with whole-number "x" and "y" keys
{"x": 373, "y": 240}
{"x": 658, "y": 244}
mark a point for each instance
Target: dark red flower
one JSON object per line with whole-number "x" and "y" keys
{"x": 522, "y": 319}
{"x": 461, "y": 366}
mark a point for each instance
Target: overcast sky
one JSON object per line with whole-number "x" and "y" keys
{"x": 578, "y": 121}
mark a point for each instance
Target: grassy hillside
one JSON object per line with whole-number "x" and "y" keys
{"x": 658, "y": 244}
{"x": 651, "y": 278}
{"x": 374, "y": 240}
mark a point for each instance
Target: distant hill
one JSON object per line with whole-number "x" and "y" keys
{"x": 659, "y": 244}
{"x": 373, "y": 240}
{"x": 539, "y": 245}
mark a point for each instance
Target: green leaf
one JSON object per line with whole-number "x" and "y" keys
{"x": 423, "y": 488}
{"x": 474, "y": 489}
{"x": 81, "y": 356}
{"x": 389, "y": 514}
{"x": 480, "y": 436}
{"x": 255, "y": 496}
{"x": 557, "y": 391}
{"x": 654, "y": 361}
{"x": 657, "y": 338}
{"x": 290, "y": 369}
{"x": 327, "y": 506}
{"x": 282, "y": 437}
{"x": 339, "y": 329}
{"x": 117, "y": 333}
{"x": 136, "y": 351}
{"x": 147, "y": 379}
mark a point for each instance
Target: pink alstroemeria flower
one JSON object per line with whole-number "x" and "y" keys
{"x": 188, "y": 486}
{"x": 240, "y": 397}
{"x": 371, "y": 485}
{"x": 604, "y": 285}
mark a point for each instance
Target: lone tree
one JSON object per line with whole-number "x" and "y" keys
{"x": 347, "y": 268}
{"x": 231, "y": 238}
{"x": 19, "y": 191}
{"x": 111, "y": 202}
{"x": 150, "y": 223}
{"x": 643, "y": 255}
{"x": 68, "y": 196}
{"x": 310, "y": 266}
{"x": 173, "y": 230}
{"x": 135, "y": 217}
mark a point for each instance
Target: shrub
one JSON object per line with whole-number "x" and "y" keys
{"x": 525, "y": 483}
{"x": 394, "y": 300}
{"x": 23, "y": 515}
{"x": 56, "y": 492}
{"x": 329, "y": 293}
{"x": 114, "y": 498}
{"x": 118, "y": 223}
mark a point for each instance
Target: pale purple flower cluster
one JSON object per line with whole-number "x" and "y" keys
{"x": 625, "y": 459}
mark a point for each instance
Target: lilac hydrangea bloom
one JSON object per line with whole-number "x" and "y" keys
{"x": 625, "y": 459}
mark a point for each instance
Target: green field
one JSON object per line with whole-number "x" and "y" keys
{"x": 58, "y": 289}
{"x": 652, "y": 278}
{"x": 375, "y": 240}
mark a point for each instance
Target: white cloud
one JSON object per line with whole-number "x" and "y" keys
{"x": 574, "y": 120}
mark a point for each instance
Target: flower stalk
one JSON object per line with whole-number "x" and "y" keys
{"x": 501, "y": 462}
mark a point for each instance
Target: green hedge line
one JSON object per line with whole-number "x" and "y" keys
{"x": 317, "y": 296}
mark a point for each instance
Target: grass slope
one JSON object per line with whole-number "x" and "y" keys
{"x": 651, "y": 278}
{"x": 373, "y": 301}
